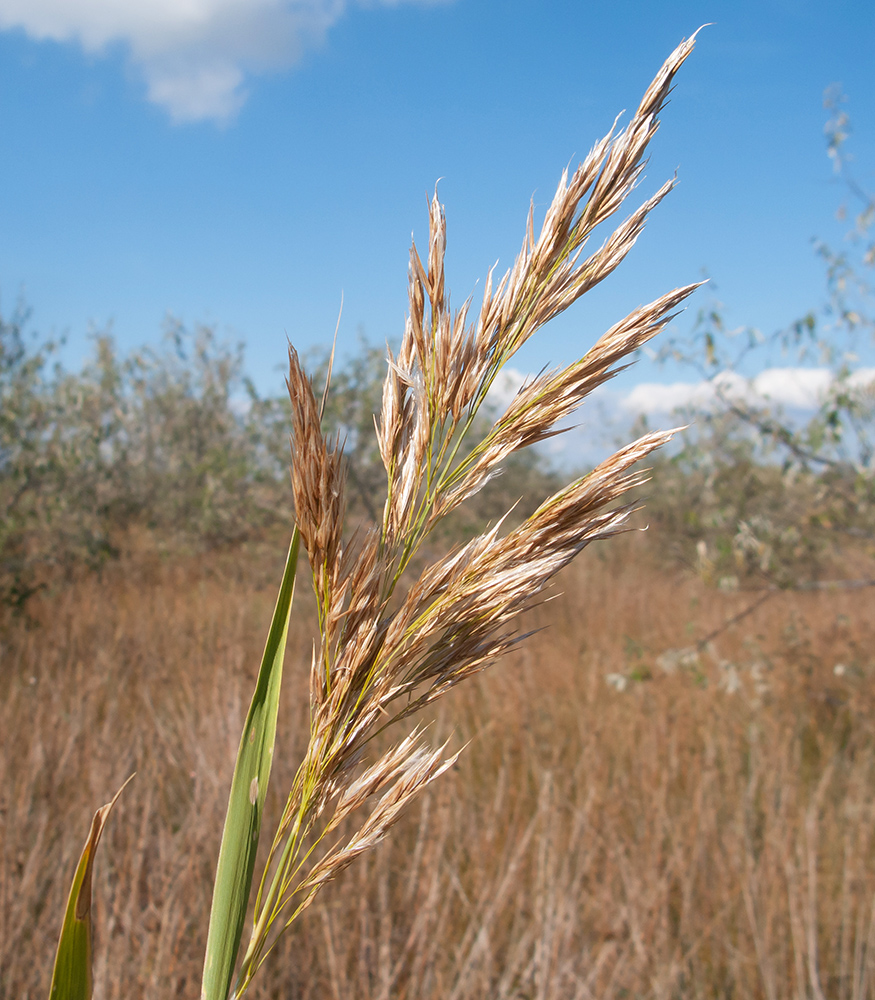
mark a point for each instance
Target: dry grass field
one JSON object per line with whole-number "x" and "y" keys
{"x": 622, "y": 824}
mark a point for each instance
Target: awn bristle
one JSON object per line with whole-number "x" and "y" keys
{"x": 381, "y": 657}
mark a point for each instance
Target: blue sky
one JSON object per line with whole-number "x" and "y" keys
{"x": 246, "y": 162}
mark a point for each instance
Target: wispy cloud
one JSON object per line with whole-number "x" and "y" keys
{"x": 793, "y": 388}
{"x": 593, "y": 431}
{"x": 194, "y": 55}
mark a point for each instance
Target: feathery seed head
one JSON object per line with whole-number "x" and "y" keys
{"x": 386, "y": 654}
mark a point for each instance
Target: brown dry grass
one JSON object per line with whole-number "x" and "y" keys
{"x": 670, "y": 839}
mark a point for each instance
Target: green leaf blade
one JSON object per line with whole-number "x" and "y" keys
{"x": 72, "y": 975}
{"x": 246, "y": 801}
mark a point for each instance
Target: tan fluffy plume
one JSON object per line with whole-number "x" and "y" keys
{"x": 383, "y": 655}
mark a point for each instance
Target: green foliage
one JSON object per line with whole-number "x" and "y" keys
{"x": 156, "y": 439}
{"x": 246, "y": 802}
{"x": 742, "y": 521}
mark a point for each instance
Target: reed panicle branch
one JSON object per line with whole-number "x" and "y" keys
{"x": 384, "y": 655}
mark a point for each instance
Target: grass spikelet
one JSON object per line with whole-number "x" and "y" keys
{"x": 384, "y": 654}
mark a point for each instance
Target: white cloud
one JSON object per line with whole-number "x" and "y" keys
{"x": 194, "y": 55}
{"x": 796, "y": 388}
{"x": 801, "y": 388}
{"x": 793, "y": 388}
{"x": 657, "y": 397}
{"x": 507, "y": 384}
{"x": 594, "y": 431}
{"x": 193, "y": 93}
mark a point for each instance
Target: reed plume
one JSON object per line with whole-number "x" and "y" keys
{"x": 383, "y": 655}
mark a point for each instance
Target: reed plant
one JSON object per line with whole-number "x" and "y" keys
{"x": 397, "y": 630}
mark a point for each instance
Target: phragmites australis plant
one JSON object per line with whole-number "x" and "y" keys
{"x": 385, "y": 652}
